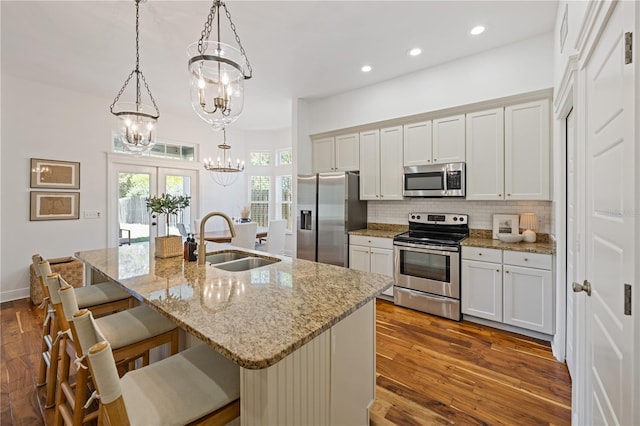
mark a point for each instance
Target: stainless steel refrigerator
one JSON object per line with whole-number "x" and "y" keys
{"x": 329, "y": 207}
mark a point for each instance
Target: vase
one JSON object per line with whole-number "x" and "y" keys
{"x": 169, "y": 246}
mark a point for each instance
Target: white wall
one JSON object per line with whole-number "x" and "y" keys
{"x": 518, "y": 68}
{"x": 41, "y": 121}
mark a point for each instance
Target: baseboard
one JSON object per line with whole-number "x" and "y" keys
{"x": 507, "y": 327}
{"x": 9, "y": 295}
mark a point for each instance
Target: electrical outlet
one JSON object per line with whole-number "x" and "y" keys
{"x": 91, "y": 214}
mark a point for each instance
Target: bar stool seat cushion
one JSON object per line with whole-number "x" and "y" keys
{"x": 98, "y": 294}
{"x": 180, "y": 389}
{"x": 133, "y": 325}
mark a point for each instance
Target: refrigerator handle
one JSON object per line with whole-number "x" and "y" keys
{"x": 305, "y": 219}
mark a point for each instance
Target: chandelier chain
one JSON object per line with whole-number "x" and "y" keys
{"x": 137, "y": 72}
{"x": 208, "y": 25}
{"x": 233, "y": 28}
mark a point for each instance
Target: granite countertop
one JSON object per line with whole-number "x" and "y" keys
{"x": 382, "y": 230}
{"x": 483, "y": 239}
{"x": 255, "y": 317}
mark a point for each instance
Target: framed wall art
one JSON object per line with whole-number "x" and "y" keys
{"x": 54, "y": 174}
{"x": 51, "y": 205}
{"x": 505, "y": 224}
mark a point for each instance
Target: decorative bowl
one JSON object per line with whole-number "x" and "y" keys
{"x": 510, "y": 238}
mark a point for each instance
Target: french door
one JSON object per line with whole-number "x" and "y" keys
{"x": 131, "y": 185}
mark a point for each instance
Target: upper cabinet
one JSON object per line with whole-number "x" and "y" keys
{"x": 381, "y": 166}
{"x": 339, "y": 154}
{"x": 527, "y": 151}
{"x": 508, "y": 153}
{"x": 449, "y": 139}
{"x": 485, "y": 155}
{"x": 435, "y": 142}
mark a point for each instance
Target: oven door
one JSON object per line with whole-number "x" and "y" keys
{"x": 431, "y": 269}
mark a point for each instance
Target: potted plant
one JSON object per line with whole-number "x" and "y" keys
{"x": 167, "y": 204}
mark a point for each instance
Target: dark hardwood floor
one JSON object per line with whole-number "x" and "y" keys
{"x": 430, "y": 371}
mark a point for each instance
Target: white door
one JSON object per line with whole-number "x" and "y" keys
{"x": 611, "y": 228}
{"x": 571, "y": 234}
{"x": 132, "y": 185}
{"x": 391, "y": 169}
{"x": 323, "y": 156}
{"x": 485, "y": 155}
{"x": 370, "y": 165}
{"x": 347, "y": 152}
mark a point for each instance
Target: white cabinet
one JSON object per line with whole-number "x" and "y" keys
{"x": 482, "y": 283}
{"x": 526, "y": 151}
{"x": 528, "y": 291}
{"x": 514, "y": 288}
{"x": 381, "y": 169}
{"x": 372, "y": 254}
{"x": 449, "y": 139}
{"x": 437, "y": 142}
{"x": 485, "y": 155}
{"x": 337, "y": 154}
{"x": 508, "y": 153}
{"x": 418, "y": 144}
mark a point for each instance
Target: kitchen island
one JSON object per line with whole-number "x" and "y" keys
{"x": 302, "y": 332}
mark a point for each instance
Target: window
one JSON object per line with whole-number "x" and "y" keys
{"x": 260, "y": 188}
{"x": 161, "y": 150}
{"x": 283, "y": 199}
{"x": 260, "y": 158}
{"x": 284, "y": 157}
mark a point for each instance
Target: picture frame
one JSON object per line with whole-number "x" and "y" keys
{"x": 55, "y": 174}
{"x": 505, "y": 223}
{"x": 50, "y": 205}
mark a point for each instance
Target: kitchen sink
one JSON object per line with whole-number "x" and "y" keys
{"x": 245, "y": 264}
{"x": 225, "y": 257}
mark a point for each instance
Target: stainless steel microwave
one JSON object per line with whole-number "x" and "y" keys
{"x": 436, "y": 180}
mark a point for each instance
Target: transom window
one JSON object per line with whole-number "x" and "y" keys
{"x": 162, "y": 149}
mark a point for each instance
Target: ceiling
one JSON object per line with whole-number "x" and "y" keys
{"x": 298, "y": 49}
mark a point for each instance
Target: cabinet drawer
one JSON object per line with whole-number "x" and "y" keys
{"x": 528, "y": 260}
{"x": 482, "y": 254}
{"x": 379, "y": 242}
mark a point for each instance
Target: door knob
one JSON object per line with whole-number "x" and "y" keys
{"x": 585, "y": 286}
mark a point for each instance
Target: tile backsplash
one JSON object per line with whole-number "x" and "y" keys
{"x": 480, "y": 212}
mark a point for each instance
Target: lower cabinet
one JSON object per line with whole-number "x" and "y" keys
{"x": 511, "y": 287}
{"x": 372, "y": 254}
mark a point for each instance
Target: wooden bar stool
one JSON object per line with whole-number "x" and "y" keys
{"x": 196, "y": 386}
{"x": 103, "y": 298}
{"x": 132, "y": 332}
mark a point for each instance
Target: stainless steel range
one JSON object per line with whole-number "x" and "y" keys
{"x": 427, "y": 263}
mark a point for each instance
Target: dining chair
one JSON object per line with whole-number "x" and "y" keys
{"x": 195, "y": 386}
{"x": 245, "y": 235}
{"x": 102, "y": 298}
{"x": 132, "y": 333}
{"x": 275, "y": 237}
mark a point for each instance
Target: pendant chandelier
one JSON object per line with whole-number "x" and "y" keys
{"x": 223, "y": 172}
{"x": 137, "y": 132}
{"x": 217, "y": 73}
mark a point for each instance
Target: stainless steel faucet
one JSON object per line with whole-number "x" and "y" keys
{"x": 201, "y": 248}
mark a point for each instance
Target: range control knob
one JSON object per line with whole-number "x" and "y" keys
{"x": 461, "y": 218}
{"x": 455, "y": 218}
{"x": 413, "y": 216}
{"x": 418, "y": 217}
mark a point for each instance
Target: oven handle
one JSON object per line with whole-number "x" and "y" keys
{"x": 426, "y": 247}
{"x": 442, "y": 299}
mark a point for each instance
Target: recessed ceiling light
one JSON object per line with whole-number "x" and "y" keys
{"x": 415, "y": 51}
{"x": 477, "y": 30}
{"x": 366, "y": 68}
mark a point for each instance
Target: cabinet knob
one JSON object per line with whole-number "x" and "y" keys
{"x": 506, "y": 272}
{"x": 479, "y": 254}
{"x": 497, "y": 270}
{"x": 526, "y": 260}
{"x": 381, "y": 196}
{"x": 428, "y": 161}
{"x": 499, "y": 195}
{"x": 435, "y": 159}
{"x": 508, "y": 195}
{"x": 377, "y": 196}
